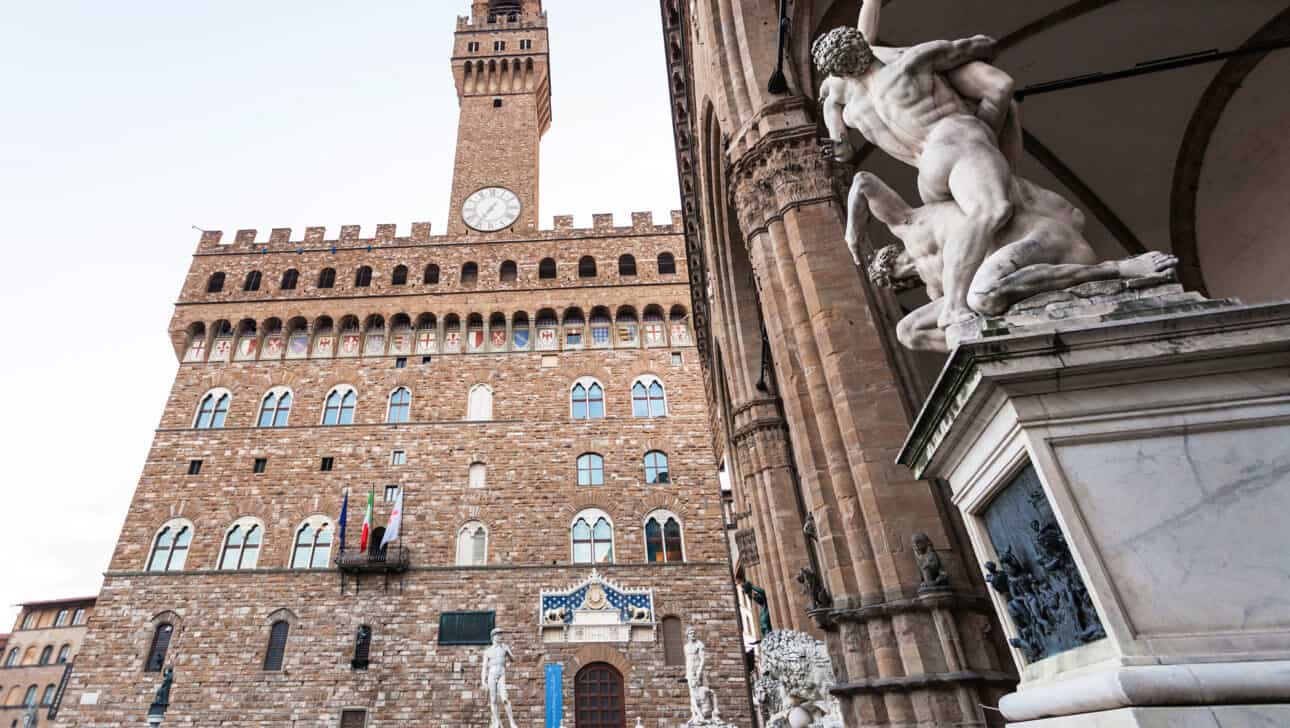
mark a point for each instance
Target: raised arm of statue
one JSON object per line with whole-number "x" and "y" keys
{"x": 946, "y": 55}
{"x": 868, "y": 24}
{"x": 990, "y": 87}
{"x": 832, "y": 103}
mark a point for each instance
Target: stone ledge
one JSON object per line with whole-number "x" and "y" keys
{"x": 921, "y": 681}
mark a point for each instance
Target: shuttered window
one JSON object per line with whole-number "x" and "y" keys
{"x": 466, "y": 628}
{"x": 277, "y": 646}
{"x": 673, "y": 648}
{"x": 157, "y": 652}
{"x": 353, "y": 718}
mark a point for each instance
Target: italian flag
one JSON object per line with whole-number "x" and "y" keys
{"x": 367, "y": 521}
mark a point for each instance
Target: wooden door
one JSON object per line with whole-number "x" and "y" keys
{"x": 598, "y": 697}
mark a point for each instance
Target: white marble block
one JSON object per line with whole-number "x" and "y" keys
{"x": 1161, "y": 443}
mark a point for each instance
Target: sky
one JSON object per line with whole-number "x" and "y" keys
{"x": 125, "y": 124}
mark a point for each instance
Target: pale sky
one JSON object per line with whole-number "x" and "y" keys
{"x": 126, "y": 123}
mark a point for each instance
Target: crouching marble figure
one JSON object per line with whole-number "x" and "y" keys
{"x": 794, "y": 676}
{"x": 984, "y": 239}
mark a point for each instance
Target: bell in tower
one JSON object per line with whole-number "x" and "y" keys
{"x": 502, "y": 7}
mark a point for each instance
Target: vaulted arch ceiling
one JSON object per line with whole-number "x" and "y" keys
{"x": 1194, "y": 160}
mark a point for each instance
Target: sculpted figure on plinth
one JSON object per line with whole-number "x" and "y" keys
{"x": 984, "y": 238}
{"x": 493, "y": 680}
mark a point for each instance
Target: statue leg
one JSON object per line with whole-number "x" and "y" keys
{"x": 918, "y": 330}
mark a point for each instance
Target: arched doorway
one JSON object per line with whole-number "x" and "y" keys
{"x": 598, "y": 697}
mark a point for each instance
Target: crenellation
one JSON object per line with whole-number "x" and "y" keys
{"x": 315, "y": 235}
{"x": 385, "y": 232}
{"x": 280, "y": 235}
{"x": 350, "y": 233}
{"x": 420, "y": 232}
{"x": 602, "y": 221}
{"x": 245, "y": 237}
{"x": 563, "y": 222}
{"x": 643, "y": 221}
{"x": 211, "y": 238}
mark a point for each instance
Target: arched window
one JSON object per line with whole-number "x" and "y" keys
{"x": 509, "y": 272}
{"x": 586, "y": 267}
{"x": 241, "y": 546}
{"x": 666, "y": 264}
{"x": 46, "y": 655}
{"x": 479, "y": 406}
{"x": 277, "y": 648}
{"x": 656, "y": 467}
{"x": 30, "y": 697}
{"x": 587, "y": 399}
{"x": 275, "y": 408}
{"x": 472, "y": 544}
{"x": 469, "y": 273}
{"x": 431, "y": 275}
{"x": 157, "y": 650}
{"x": 78, "y": 617}
{"x": 363, "y": 276}
{"x": 215, "y": 283}
{"x": 400, "y": 276}
{"x": 673, "y": 642}
{"x": 60, "y": 619}
{"x": 648, "y": 398}
{"x": 213, "y": 410}
{"x": 593, "y": 538}
{"x": 327, "y": 278}
{"x": 12, "y": 659}
{"x": 598, "y": 697}
{"x": 546, "y": 269}
{"x": 591, "y": 469}
{"x": 627, "y": 265}
{"x": 339, "y": 406}
{"x": 477, "y": 475}
{"x": 313, "y": 545}
{"x": 252, "y": 282}
{"x": 362, "y": 648}
{"x": 64, "y": 654}
{"x": 47, "y": 697}
{"x": 400, "y": 406}
{"x": 170, "y": 547}
{"x": 290, "y": 277}
{"x": 663, "y": 538}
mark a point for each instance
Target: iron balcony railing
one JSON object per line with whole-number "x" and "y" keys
{"x": 391, "y": 559}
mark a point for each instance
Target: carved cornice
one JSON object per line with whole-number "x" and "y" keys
{"x": 921, "y": 681}
{"x": 752, "y": 404}
{"x": 784, "y": 170}
{"x": 762, "y": 424}
{"x": 949, "y": 600}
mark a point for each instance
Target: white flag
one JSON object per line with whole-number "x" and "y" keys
{"x": 396, "y": 520}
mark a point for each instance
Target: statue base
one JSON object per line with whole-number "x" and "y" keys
{"x": 1118, "y": 453}
{"x": 707, "y": 723}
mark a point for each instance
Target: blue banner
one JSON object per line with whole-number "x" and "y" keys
{"x": 554, "y": 695}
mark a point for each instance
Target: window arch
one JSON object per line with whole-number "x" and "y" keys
{"x": 241, "y": 549}
{"x": 472, "y": 544}
{"x": 327, "y": 278}
{"x": 587, "y": 399}
{"x": 363, "y": 276}
{"x": 666, "y": 264}
{"x": 30, "y": 697}
{"x": 591, "y": 469}
{"x": 312, "y": 549}
{"x": 290, "y": 277}
{"x": 586, "y": 267}
{"x": 252, "y": 281}
{"x": 649, "y": 399}
{"x": 431, "y": 275}
{"x": 277, "y": 648}
{"x": 592, "y": 535}
{"x": 275, "y": 408}
{"x": 663, "y": 538}
{"x": 60, "y": 619}
{"x": 627, "y": 265}
{"x": 47, "y": 697}
{"x": 546, "y": 269}
{"x": 673, "y": 642}
{"x": 213, "y": 409}
{"x": 338, "y": 408}
{"x": 656, "y": 472}
{"x": 170, "y": 546}
{"x": 400, "y": 276}
{"x": 64, "y": 654}
{"x": 157, "y": 649}
{"x": 479, "y": 403}
{"x": 12, "y": 659}
{"x": 508, "y": 272}
{"x": 46, "y": 655}
{"x": 400, "y": 408}
{"x": 78, "y": 617}
{"x": 215, "y": 283}
{"x": 469, "y": 273}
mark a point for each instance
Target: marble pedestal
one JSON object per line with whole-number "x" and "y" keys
{"x": 1131, "y": 467}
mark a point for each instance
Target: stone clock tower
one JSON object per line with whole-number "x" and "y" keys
{"x": 500, "y": 63}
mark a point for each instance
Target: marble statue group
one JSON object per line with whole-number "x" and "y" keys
{"x": 985, "y": 238}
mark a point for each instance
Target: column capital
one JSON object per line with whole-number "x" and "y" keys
{"x": 783, "y": 170}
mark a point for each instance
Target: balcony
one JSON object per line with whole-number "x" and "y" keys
{"x": 393, "y": 559}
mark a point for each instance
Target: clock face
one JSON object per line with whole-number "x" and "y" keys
{"x": 491, "y": 209}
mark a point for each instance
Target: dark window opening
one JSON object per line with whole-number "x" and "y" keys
{"x": 259, "y": 465}
{"x": 425, "y": 360}
{"x": 666, "y": 264}
{"x": 157, "y": 651}
{"x": 277, "y": 646}
{"x": 401, "y": 362}
{"x": 497, "y": 103}
{"x": 400, "y": 276}
{"x": 289, "y": 279}
{"x": 327, "y": 464}
{"x": 252, "y": 282}
{"x": 215, "y": 283}
{"x": 586, "y": 267}
{"x": 362, "y": 648}
{"x": 509, "y": 272}
{"x": 466, "y": 628}
{"x": 353, "y": 718}
{"x": 194, "y": 467}
{"x": 627, "y": 265}
{"x": 546, "y": 269}
{"x": 363, "y": 277}
{"x": 432, "y": 274}
{"x": 327, "y": 278}
{"x": 469, "y": 274}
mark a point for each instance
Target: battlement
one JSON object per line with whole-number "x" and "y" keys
{"x": 386, "y": 234}
{"x": 464, "y": 23}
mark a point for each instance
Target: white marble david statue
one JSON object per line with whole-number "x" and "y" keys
{"x": 984, "y": 238}
{"x": 493, "y": 680}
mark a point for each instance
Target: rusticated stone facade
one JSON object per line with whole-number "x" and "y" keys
{"x": 810, "y": 399}
{"x": 466, "y": 354}
{"x": 38, "y": 655}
